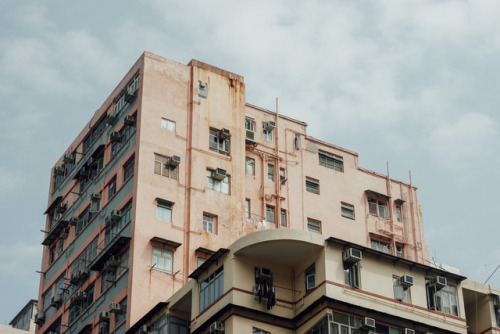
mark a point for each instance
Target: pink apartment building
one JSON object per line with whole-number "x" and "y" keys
{"x": 176, "y": 165}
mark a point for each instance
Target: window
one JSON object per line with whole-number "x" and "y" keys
{"x": 296, "y": 141}
{"x": 401, "y": 293}
{"x": 202, "y": 89}
{"x": 164, "y": 168}
{"x": 381, "y": 246}
{"x": 219, "y": 141}
{"x": 247, "y": 208}
{"x": 47, "y": 298}
{"x": 341, "y": 324}
{"x": 314, "y": 225}
{"x": 52, "y": 255}
{"x": 95, "y": 203}
{"x": 312, "y": 185}
{"x": 200, "y": 261}
{"x": 118, "y": 138}
{"x": 95, "y": 133}
{"x": 270, "y": 213}
{"x": 270, "y": 172}
{"x": 208, "y": 223}
{"x": 211, "y": 289}
{"x": 283, "y": 218}
{"x": 399, "y": 251}
{"x": 79, "y": 307}
{"x": 249, "y": 124}
{"x": 164, "y": 210}
{"x": 84, "y": 219}
{"x": 351, "y": 274}
{"x": 256, "y": 330}
{"x": 378, "y": 208}
{"x": 250, "y": 166}
{"x": 267, "y": 134}
{"x": 399, "y": 217}
{"x": 331, "y": 161}
{"x": 122, "y": 315}
{"x": 168, "y": 124}
{"x": 112, "y": 188}
{"x": 282, "y": 176}
{"x": 128, "y": 169}
{"x": 60, "y": 285}
{"x": 60, "y": 246}
{"x": 112, "y": 230}
{"x": 221, "y": 186}
{"x": 104, "y": 326}
{"x": 107, "y": 279}
{"x": 442, "y": 300}
{"x": 310, "y": 278}
{"x": 162, "y": 259}
{"x": 347, "y": 210}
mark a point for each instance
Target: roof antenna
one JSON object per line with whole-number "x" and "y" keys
{"x": 492, "y": 273}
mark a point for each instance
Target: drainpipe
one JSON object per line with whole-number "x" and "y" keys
{"x": 389, "y": 204}
{"x": 413, "y": 219}
{"x": 278, "y": 180}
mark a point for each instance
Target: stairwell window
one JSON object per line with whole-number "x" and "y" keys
{"x": 312, "y": 185}
{"x": 283, "y": 218}
{"x": 247, "y": 208}
{"x": 347, "y": 210}
{"x": 168, "y": 124}
{"x": 164, "y": 210}
{"x": 331, "y": 161}
{"x": 162, "y": 259}
{"x": 112, "y": 188}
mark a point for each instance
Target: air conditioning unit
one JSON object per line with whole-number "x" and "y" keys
{"x": 111, "y": 118}
{"x": 59, "y": 170}
{"x": 129, "y": 120}
{"x": 440, "y": 282}
{"x": 56, "y": 300}
{"x": 73, "y": 221}
{"x": 270, "y": 125}
{"x": 217, "y": 327}
{"x": 114, "y": 260}
{"x": 219, "y": 174}
{"x": 95, "y": 197}
{"x": 406, "y": 281}
{"x": 64, "y": 233}
{"x": 69, "y": 158}
{"x": 115, "y": 216}
{"x": 225, "y": 133}
{"x": 367, "y": 323}
{"x": 103, "y": 316}
{"x": 174, "y": 160}
{"x": 85, "y": 171}
{"x": 251, "y": 136}
{"x": 352, "y": 255}
{"x": 262, "y": 273}
{"x": 80, "y": 296}
{"x": 115, "y": 136}
{"x": 408, "y": 331}
{"x": 61, "y": 208}
{"x": 130, "y": 95}
{"x": 83, "y": 273}
{"x": 39, "y": 317}
{"x": 115, "y": 308}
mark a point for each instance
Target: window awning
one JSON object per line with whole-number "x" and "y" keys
{"x": 399, "y": 201}
{"x": 165, "y": 242}
{"x": 371, "y": 192}
{"x": 55, "y": 232}
{"x": 111, "y": 249}
{"x": 204, "y": 251}
{"x": 205, "y": 265}
{"x": 53, "y": 205}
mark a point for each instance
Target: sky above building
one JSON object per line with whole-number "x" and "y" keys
{"x": 413, "y": 83}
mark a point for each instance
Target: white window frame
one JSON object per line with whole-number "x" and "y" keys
{"x": 250, "y": 166}
{"x": 162, "y": 259}
{"x": 167, "y": 124}
{"x": 164, "y": 210}
{"x": 266, "y": 134}
{"x": 314, "y": 225}
{"x": 209, "y": 223}
{"x": 221, "y": 186}
{"x": 218, "y": 144}
{"x": 312, "y": 185}
{"x": 347, "y": 210}
{"x": 247, "y": 209}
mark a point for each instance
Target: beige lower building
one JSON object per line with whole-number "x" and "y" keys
{"x": 292, "y": 281}
{"x": 24, "y": 321}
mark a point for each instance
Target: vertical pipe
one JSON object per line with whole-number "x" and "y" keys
{"x": 413, "y": 219}
{"x": 277, "y": 183}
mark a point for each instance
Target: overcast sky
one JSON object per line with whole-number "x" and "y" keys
{"x": 415, "y": 83}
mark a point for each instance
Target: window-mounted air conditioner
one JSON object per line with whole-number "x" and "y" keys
{"x": 111, "y": 118}
{"x": 80, "y": 296}
{"x": 64, "y": 233}
{"x": 352, "y": 255}
{"x": 115, "y": 216}
{"x": 145, "y": 329}
{"x": 56, "y": 300}
{"x": 83, "y": 273}
{"x": 95, "y": 197}
{"x": 115, "y": 136}
{"x": 61, "y": 208}
{"x": 115, "y": 308}
{"x": 174, "y": 160}
{"x": 251, "y": 136}
{"x": 225, "y": 133}
{"x": 129, "y": 120}
{"x": 75, "y": 277}
{"x": 92, "y": 162}
{"x": 85, "y": 171}
{"x": 130, "y": 95}
{"x": 270, "y": 125}
{"x": 406, "y": 281}
{"x": 219, "y": 174}
{"x": 440, "y": 282}
{"x": 408, "y": 331}
{"x": 103, "y": 316}
{"x": 262, "y": 273}
{"x": 73, "y": 221}
{"x": 217, "y": 327}
{"x": 69, "y": 158}
{"x": 39, "y": 317}
{"x": 367, "y": 323}
{"x": 59, "y": 170}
